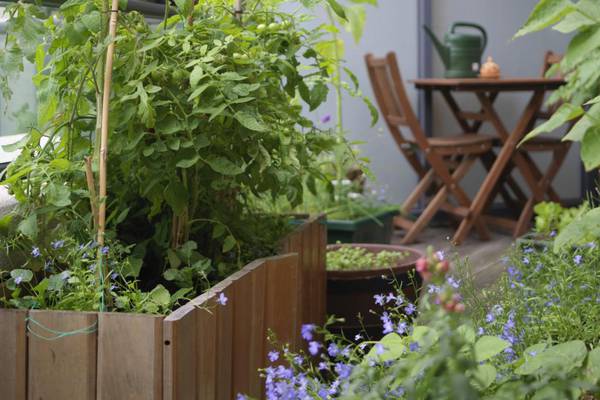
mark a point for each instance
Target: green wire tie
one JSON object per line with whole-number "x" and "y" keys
{"x": 58, "y": 334}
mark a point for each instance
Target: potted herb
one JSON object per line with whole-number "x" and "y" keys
{"x": 358, "y": 273}
{"x": 550, "y": 219}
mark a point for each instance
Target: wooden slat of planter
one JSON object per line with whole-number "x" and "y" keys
{"x": 129, "y": 356}
{"x": 179, "y": 354}
{"x": 224, "y": 315}
{"x": 64, "y": 368}
{"x": 319, "y": 301}
{"x": 13, "y": 354}
{"x": 282, "y": 309}
{"x": 207, "y": 354}
{"x": 248, "y": 329}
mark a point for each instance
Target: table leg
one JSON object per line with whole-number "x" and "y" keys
{"x": 506, "y": 153}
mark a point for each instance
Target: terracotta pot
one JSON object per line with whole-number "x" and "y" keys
{"x": 351, "y": 292}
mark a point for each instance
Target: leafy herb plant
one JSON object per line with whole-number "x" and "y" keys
{"x": 206, "y": 113}
{"x": 347, "y": 258}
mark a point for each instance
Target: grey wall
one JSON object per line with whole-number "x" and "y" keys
{"x": 521, "y": 57}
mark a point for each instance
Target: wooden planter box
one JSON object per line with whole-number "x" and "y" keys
{"x": 200, "y": 351}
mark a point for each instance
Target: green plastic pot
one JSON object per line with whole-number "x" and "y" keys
{"x": 378, "y": 229}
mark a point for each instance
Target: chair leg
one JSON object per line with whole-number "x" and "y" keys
{"x": 436, "y": 203}
{"x": 558, "y": 157}
{"x": 419, "y": 191}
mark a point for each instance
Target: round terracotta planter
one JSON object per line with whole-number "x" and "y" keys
{"x": 351, "y": 292}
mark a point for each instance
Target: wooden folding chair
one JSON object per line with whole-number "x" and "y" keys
{"x": 449, "y": 158}
{"x": 556, "y": 147}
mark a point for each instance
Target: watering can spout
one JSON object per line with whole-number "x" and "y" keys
{"x": 442, "y": 50}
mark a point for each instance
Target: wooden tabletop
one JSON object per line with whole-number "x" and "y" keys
{"x": 481, "y": 84}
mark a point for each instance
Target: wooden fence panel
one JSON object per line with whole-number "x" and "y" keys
{"x": 62, "y": 368}
{"x": 224, "y": 348}
{"x": 130, "y": 348}
{"x": 248, "y": 329}
{"x": 207, "y": 354}
{"x": 13, "y": 354}
{"x": 282, "y": 309}
{"x": 179, "y": 354}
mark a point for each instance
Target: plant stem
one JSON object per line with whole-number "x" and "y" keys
{"x": 337, "y": 84}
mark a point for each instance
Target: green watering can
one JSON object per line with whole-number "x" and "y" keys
{"x": 461, "y": 52}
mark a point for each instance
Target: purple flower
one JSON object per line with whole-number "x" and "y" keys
{"x": 273, "y": 356}
{"x": 114, "y": 276}
{"x": 489, "y": 318}
{"x": 526, "y": 260}
{"x": 333, "y": 350}
{"x": 453, "y": 282}
{"x": 241, "y": 397}
{"x": 222, "y": 299}
{"x": 480, "y": 331}
{"x": 105, "y": 250}
{"x": 388, "y": 326}
{"x": 326, "y": 118}
{"x": 433, "y": 289}
{"x": 410, "y": 309}
{"x": 35, "y": 252}
{"x": 528, "y": 250}
{"x": 553, "y": 233}
{"x": 533, "y": 353}
{"x": 357, "y": 337}
{"x": 343, "y": 370}
{"x": 440, "y": 255}
{"x": 414, "y": 346}
{"x": 307, "y": 331}
{"x": 18, "y": 280}
{"x": 322, "y": 366}
{"x": 313, "y": 348}
{"x": 577, "y": 259}
{"x": 57, "y": 244}
{"x": 402, "y": 326}
{"x": 379, "y": 299}
{"x": 379, "y": 349}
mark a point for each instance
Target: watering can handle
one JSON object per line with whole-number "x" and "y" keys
{"x": 472, "y": 25}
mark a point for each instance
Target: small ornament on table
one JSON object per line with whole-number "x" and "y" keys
{"x": 489, "y": 69}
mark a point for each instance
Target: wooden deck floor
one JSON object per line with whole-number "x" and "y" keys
{"x": 483, "y": 256}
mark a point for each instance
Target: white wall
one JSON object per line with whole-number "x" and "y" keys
{"x": 521, "y": 57}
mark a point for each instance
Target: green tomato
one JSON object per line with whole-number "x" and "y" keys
{"x": 274, "y": 26}
{"x": 261, "y": 27}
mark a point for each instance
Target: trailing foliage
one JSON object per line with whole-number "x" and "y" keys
{"x": 435, "y": 355}
{"x": 206, "y": 113}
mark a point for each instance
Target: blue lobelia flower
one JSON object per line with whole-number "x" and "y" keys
{"x": 273, "y": 356}
{"x": 410, "y": 309}
{"x": 307, "y": 331}
{"x": 313, "y": 347}
{"x": 35, "y": 252}
{"x": 222, "y": 299}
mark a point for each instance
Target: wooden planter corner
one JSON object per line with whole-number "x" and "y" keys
{"x": 201, "y": 351}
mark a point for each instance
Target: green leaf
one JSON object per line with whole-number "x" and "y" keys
{"x": 58, "y": 195}
{"x": 573, "y": 21}
{"x": 484, "y": 376}
{"x": 223, "y": 165}
{"x": 29, "y": 227}
{"x": 174, "y": 260}
{"x": 590, "y": 149}
{"x": 218, "y": 231}
{"x": 161, "y": 296}
{"x": 467, "y": 332}
{"x": 566, "y": 112}
{"x": 176, "y": 196}
{"x": 580, "y": 47}
{"x": 545, "y": 13}
{"x": 229, "y": 243}
{"x": 24, "y": 274}
{"x": 250, "y": 121}
{"x": 132, "y": 267}
{"x": 92, "y": 21}
{"x": 9, "y": 148}
{"x": 356, "y": 16}
{"x": 188, "y": 162}
{"x": 592, "y": 367}
{"x": 577, "y": 231}
{"x": 561, "y": 357}
{"x": 61, "y": 164}
{"x": 195, "y": 76}
{"x": 393, "y": 348}
{"x": 337, "y": 8}
{"x": 199, "y": 90}
{"x": 489, "y": 346}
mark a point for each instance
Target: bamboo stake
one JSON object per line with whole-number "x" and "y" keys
{"x": 89, "y": 175}
{"x": 238, "y": 9}
{"x": 105, "y": 119}
{"x": 112, "y": 30}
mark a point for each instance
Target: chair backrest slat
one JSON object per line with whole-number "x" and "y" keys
{"x": 392, "y": 98}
